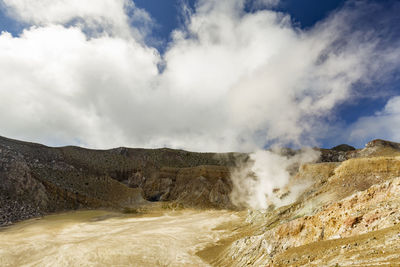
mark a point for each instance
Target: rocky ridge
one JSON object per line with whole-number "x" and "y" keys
{"x": 37, "y": 180}
{"x": 349, "y": 216}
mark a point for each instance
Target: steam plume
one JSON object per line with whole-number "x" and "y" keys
{"x": 254, "y": 182}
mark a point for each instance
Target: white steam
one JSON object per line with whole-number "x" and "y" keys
{"x": 263, "y": 181}
{"x": 82, "y": 73}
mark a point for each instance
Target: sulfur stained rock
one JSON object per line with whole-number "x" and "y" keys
{"x": 346, "y": 201}
{"x": 374, "y": 209}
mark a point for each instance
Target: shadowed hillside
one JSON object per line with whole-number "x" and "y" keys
{"x": 348, "y": 209}
{"x": 36, "y": 179}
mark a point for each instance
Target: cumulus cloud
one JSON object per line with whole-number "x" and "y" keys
{"x": 81, "y": 73}
{"x": 385, "y": 124}
{"x": 58, "y": 86}
{"x": 110, "y": 16}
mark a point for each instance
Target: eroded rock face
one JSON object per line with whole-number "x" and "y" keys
{"x": 329, "y": 155}
{"x": 374, "y": 148}
{"x": 206, "y": 186}
{"x": 350, "y": 192}
{"x": 370, "y": 210}
{"x": 382, "y": 143}
{"x": 209, "y": 186}
{"x": 36, "y": 180}
{"x": 55, "y": 179}
{"x": 21, "y": 196}
{"x": 356, "y": 202}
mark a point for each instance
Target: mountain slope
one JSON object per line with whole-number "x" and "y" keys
{"x": 36, "y": 179}
{"x": 349, "y": 216}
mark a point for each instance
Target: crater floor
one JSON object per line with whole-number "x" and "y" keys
{"x": 104, "y": 238}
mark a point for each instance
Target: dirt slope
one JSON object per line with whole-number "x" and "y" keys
{"x": 349, "y": 217}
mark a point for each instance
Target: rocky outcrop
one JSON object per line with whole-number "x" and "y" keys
{"x": 374, "y": 148}
{"x": 36, "y": 179}
{"x": 352, "y": 207}
{"x": 382, "y": 144}
{"x": 21, "y": 196}
{"x": 370, "y": 210}
{"x": 204, "y": 186}
{"x": 343, "y": 147}
{"x": 329, "y": 155}
{"x": 349, "y": 207}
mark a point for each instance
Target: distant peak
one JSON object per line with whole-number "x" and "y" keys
{"x": 382, "y": 143}
{"x": 343, "y": 147}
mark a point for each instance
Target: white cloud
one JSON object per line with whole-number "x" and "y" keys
{"x": 384, "y": 124}
{"x": 110, "y": 16}
{"x": 232, "y": 81}
{"x": 57, "y": 84}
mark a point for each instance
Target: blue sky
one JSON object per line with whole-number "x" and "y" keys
{"x": 304, "y": 13}
{"x": 202, "y": 97}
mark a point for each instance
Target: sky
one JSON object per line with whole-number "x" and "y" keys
{"x": 200, "y": 75}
